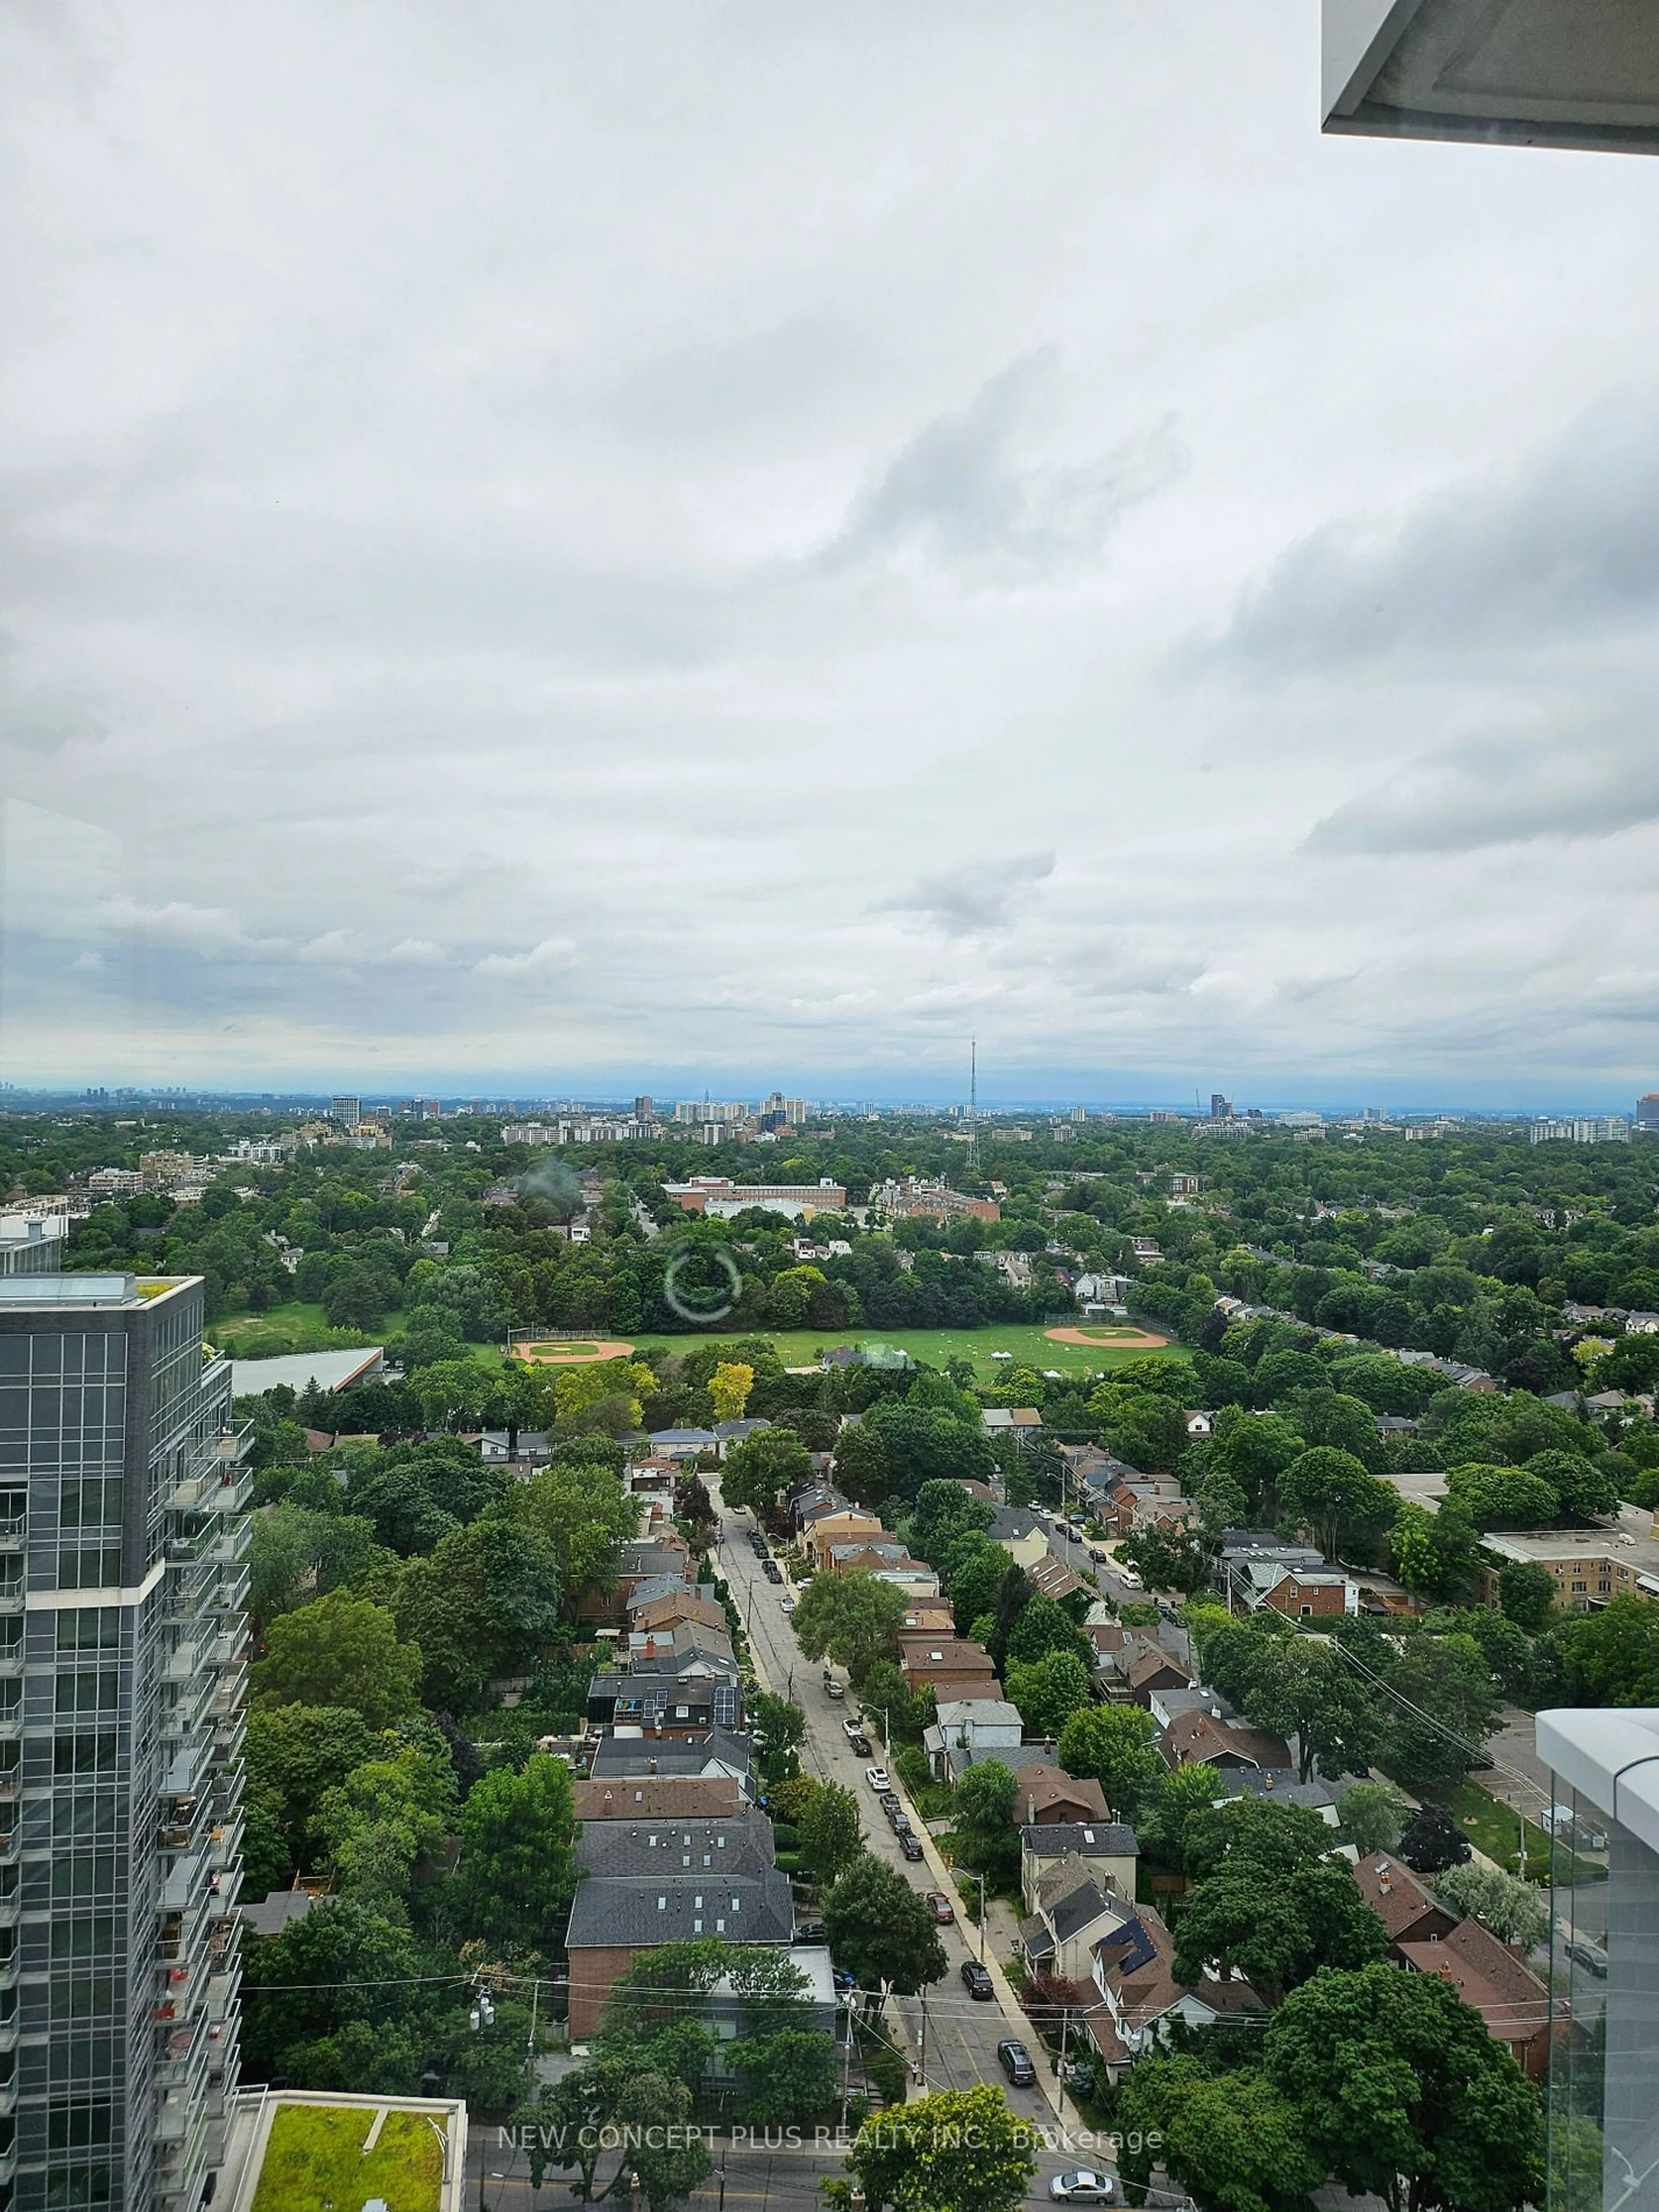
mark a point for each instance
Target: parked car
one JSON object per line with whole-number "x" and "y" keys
{"x": 1015, "y": 2061}
{"x": 899, "y": 1820}
{"x": 976, "y": 1980}
{"x": 890, "y": 1801}
{"x": 1101, "y": 1558}
{"x": 861, "y": 1744}
{"x": 878, "y": 1779}
{"x": 845, "y": 1979}
{"x": 810, "y": 1931}
{"x": 911, "y": 1846}
{"x": 943, "y": 1913}
{"x": 786, "y": 1605}
{"x": 852, "y": 1731}
{"x": 1082, "y": 2186}
{"x": 1585, "y": 1956}
{"x": 832, "y": 1689}
{"x": 1128, "y": 1577}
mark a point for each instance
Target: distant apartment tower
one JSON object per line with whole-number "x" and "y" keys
{"x": 645, "y": 1107}
{"x": 1079, "y": 1112}
{"x": 122, "y": 1536}
{"x": 1221, "y": 1107}
{"x": 346, "y": 1110}
{"x": 1586, "y": 1129}
{"x": 1647, "y": 1111}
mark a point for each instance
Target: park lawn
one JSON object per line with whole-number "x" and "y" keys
{"x": 1492, "y": 1827}
{"x": 314, "y": 2158}
{"x": 1028, "y": 1344}
{"x": 299, "y": 1327}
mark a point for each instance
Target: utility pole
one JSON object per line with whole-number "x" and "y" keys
{"x": 981, "y": 1919}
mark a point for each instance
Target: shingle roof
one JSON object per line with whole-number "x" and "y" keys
{"x": 1395, "y": 1894}
{"x": 656, "y": 1796}
{"x": 1486, "y": 1974}
{"x": 1087, "y": 1839}
{"x": 646, "y": 1755}
{"x": 730, "y": 1843}
{"x": 625, "y": 1911}
{"x": 1042, "y": 1786}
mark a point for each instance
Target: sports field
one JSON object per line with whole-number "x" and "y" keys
{"x": 1029, "y": 1345}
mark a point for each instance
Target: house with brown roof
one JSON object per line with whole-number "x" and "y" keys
{"x": 952, "y": 1665}
{"x": 1505, "y": 1992}
{"x": 656, "y": 1797}
{"x": 1408, "y": 1913}
{"x": 1109, "y": 1848}
{"x": 1052, "y": 1577}
{"x": 1202, "y": 1735}
{"x": 1150, "y": 1668}
{"x": 1133, "y": 1971}
{"x": 843, "y": 1526}
{"x": 1048, "y": 1798}
{"x": 929, "y": 1617}
{"x": 655, "y": 1614}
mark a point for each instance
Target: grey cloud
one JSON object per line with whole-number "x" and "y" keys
{"x": 1496, "y": 792}
{"x": 1561, "y": 544}
{"x": 958, "y": 492}
{"x": 983, "y": 895}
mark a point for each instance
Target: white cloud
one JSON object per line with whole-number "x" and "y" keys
{"x": 176, "y": 924}
{"x": 413, "y": 952}
{"x": 553, "y": 956}
{"x": 333, "y": 948}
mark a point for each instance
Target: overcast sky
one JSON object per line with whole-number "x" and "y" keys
{"x": 549, "y": 546}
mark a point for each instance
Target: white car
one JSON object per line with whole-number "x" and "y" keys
{"x": 786, "y": 1605}
{"x": 878, "y": 1779}
{"x": 1128, "y": 1577}
{"x": 1082, "y": 2186}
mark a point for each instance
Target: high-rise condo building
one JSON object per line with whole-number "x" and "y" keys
{"x": 346, "y": 1109}
{"x": 1647, "y": 1111}
{"x": 123, "y": 1533}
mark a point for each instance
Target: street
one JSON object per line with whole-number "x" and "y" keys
{"x": 953, "y": 2036}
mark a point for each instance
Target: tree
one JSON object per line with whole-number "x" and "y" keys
{"x": 1329, "y": 1491}
{"x": 1047, "y": 1692}
{"x": 975, "y": 1579}
{"x": 1430, "y": 1841}
{"x": 862, "y": 1468}
{"x": 831, "y": 1832}
{"x": 587, "y": 1515}
{"x": 881, "y": 1929}
{"x": 343, "y": 1966}
{"x": 604, "y": 1394}
{"x": 853, "y": 1618}
{"x": 1313, "y": 1694}
{"x": 387, "y": 1814}
{"x": 341, "y": 1650}
{"x": 986, "y": 1806}
{"x": 296, "y": 1755}
{"x": 779, "y": 1728}
{"x": 1435, "y": 1554}
{"x": 1373, "y": 1816}
{"x": 1443, "y": 1709}
{"x": 1252, "y": 1450}
{"x": 1235, "y": 2140}
{"x": 485, "y": 1604}
{"x": 957, "y": 2150}
{"x": 1582, "y": 1486}
{"x": 1043, "y": 1626}
{"x": 1276, "y": 1927}
{"x": 1404, "y": 2094}
{"x": 1611, "y": 1657}
{"x": 1167, "y": 1810}
{"x": 1258, "y": 1832}
{"x": 1515, "y": 1911}
{"x": 1173, "y": 1558}
{"x": 518, "y": 1869}
{"x": 1505, "y": 1497}
{"x": 927, "y": 1441}
{"x": 1526, "y": 1593}
{"x": 729, "y": 1387}
{"x": 450, "y": 1390}
{"x": 764, "y": 1468}
{"x": 943, "y": 1512}
{"x": 1112, "y": 1745}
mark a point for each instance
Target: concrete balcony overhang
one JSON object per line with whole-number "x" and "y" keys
{"x": 1577, "y": 74}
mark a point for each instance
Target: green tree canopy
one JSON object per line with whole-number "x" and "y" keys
{"x": 881, "y": 1929}
{"x": 518, "y": 1867}
{"x": 955, "y": 2150}
{"x": 1112, "y": 1745}
{"x": 340, "y": 1651}
{"x": 853, "y": 1618}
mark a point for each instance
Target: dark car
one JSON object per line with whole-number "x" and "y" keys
{"x": 861, "y": 1744}
{"x": 810, "y": 1931}
{"x": 978, "y": 1984}
{"x": 889, "y": 1801}
{"x": 1015, "y": 2061}
{"x": 898, "y": 1821}
{"x": 910, "y": 1846}
{"x": 1593, "y": 1961}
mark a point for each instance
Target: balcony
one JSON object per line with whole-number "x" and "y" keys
{"x": 229, "y": 1547}
{"x": 13, "y": 1530}
{"x": 183, "y": 1660}
{"x": 224, "y": 1844}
